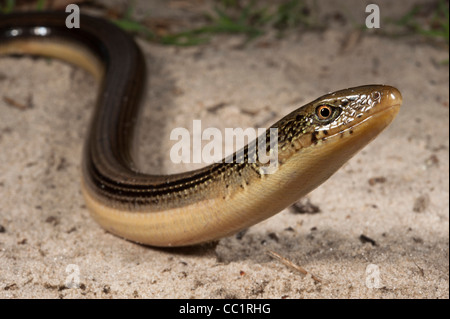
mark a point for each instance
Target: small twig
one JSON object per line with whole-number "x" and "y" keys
{"x": 216, "y": 107}
{"x": 16, "y": 104}
{"x": 421, "y": 271}
{"x": 291, "y": 265}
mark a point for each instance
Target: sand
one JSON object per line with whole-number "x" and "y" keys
{"x": 382, "y": 229}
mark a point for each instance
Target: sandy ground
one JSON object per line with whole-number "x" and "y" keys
{"x": 396, "y": 191}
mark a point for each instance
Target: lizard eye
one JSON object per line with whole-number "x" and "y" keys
{"x": 324, "y": 112}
